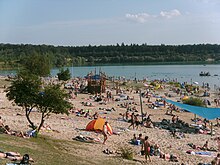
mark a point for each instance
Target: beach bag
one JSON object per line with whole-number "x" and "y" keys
{"x": 137, "y": 142}
{"x": 32, "y": 133}
{"x": 151, "y": 151}
{"x": 25, "y": 160}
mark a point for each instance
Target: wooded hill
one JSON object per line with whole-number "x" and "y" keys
{"x": 12, "y": 55}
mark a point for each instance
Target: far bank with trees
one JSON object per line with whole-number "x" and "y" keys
{"x": 13, "y": 56}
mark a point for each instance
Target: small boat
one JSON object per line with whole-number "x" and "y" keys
{"x": 204, "y": 74}
{"x": 215, "y": 75}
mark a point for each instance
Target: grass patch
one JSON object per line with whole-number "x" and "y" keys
{"x": 127, "y": 153}
{"x": 45, "y": 150}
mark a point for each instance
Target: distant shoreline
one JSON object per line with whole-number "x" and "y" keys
{"x": 149, "y": 63}
{"x": 124, "y": 64}
{"x": 8, "y": 68}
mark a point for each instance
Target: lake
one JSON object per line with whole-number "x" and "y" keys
{"x": 183, "y": 73}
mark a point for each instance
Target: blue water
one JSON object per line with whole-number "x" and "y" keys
{"x": 183, "y": 73}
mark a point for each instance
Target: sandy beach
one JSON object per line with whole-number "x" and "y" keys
{"x": 68, "y": 127}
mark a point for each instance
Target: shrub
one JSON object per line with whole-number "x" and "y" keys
{"x": 171, "y": 82}
{"x": 194, "y": 101}
{"x": 64, "y": 74}
{"x": 153, "y": 84}
{"x": 176, "y": 84}
{"x": 127, "y": 153}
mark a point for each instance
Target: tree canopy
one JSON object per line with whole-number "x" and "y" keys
{"x": 64, "y": 74}
{"x": 28, "y": 92}
{"x": 37, "y": 64}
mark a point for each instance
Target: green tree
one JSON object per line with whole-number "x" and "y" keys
{"x": 91, "y": 60}
{"x": 27, "y": 92}
{"x": 64, "y": 74}
{"x": 52, "y": 100}
{"x": 37, "y": 64}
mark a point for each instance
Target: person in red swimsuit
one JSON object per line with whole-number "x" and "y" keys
{"x": 147, "y": 148}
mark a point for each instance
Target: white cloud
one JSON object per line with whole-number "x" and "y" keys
{"x": 144, "y": 17}
{"x": 170, "y": 14}
{"x": 140, "y": 17}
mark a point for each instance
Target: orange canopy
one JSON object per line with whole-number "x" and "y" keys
{"x": 97, "y": 125}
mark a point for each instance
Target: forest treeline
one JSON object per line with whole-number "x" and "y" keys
{"x": 13, "y": 54}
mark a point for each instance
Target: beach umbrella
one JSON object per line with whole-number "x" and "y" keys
{"x": 185, "y": 98}
{"x": 157, "y": 86}
{"x": 97, "y": 125}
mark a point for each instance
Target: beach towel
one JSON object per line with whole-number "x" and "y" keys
{"x": 86, "y": 139}
{"x": 203, "y": 153}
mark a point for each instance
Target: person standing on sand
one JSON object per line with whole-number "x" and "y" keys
{"x": 164, "y": 103}
{"x": 132, "y": 120}
{"x": 137, "y": 122}
{"x": 105, "y": 132}
{"x": 147, "y": 148}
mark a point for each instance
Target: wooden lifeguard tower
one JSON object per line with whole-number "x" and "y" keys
{"x": 96, "y": 82}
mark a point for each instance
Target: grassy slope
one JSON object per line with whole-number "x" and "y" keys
{"x": 45, "y": 150}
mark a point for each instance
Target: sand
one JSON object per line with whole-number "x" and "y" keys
{"x": 68, "y": 127}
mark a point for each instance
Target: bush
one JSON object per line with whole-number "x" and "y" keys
{"x": 171, "y": 82}
{"x": 176, "y": 84}
{"x": 64, "y": 74}
{"x": 194, "y": 101}
{"x": 127, "y": 153}
{"x": 153, "y": 84}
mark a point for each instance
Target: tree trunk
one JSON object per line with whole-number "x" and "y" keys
{"x": 28, "y": 118}
{"x": 41, "y": 123}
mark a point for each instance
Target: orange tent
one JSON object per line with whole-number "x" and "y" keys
{"x": 97, "y": 125}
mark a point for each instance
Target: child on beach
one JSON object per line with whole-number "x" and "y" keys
{"x": 95, "y": 115}
{"x": 105, "y": 132}
{"x": 134, "y": 139}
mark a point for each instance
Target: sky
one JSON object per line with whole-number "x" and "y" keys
{"x": 108, "y": 22}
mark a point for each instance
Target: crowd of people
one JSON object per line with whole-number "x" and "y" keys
{"x": 133, "y": 117}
